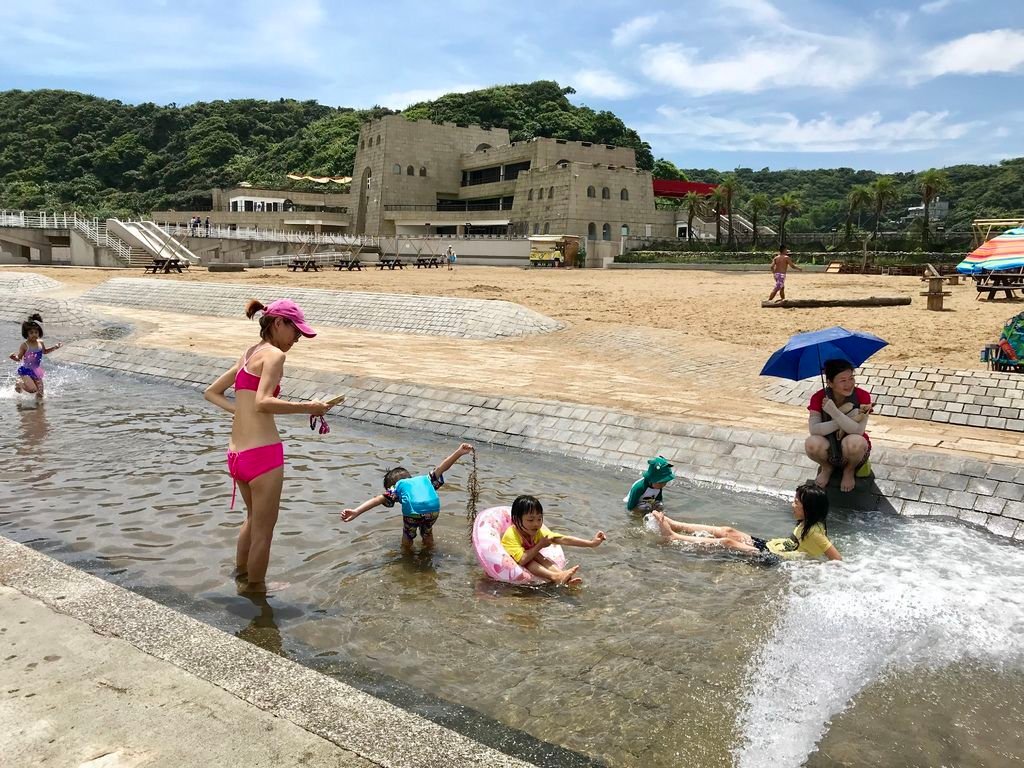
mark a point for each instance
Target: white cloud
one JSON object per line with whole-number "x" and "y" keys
{"x": 760, "y": 11}
{"x": 898, "y": 19}
{"x": 699, "y": 129}
{"x": 402, "y": 99}
{"x": 936, "y": 6}
{"x": 1000, "y": 50}
{"x": 630, "y": 31}
{"x": 603, "y": 84}
{"x": 834, "y": 63}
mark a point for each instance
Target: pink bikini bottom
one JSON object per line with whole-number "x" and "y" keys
{"x": 246, "y": 466}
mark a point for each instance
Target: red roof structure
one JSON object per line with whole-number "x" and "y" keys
{"x": 666, "y": 188}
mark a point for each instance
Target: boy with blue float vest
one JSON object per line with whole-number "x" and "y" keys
{"x": 646, "y": 494}
{"x": 418, "y": 497}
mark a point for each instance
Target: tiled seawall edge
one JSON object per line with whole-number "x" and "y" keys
{"x": 990, "y": 399}
{"x": 390, "y": 312}
{"x": 379, "y": 732}
{"x": 913, "y": 483}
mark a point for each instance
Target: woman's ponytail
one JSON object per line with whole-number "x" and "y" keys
{"x": 254, "y": 306}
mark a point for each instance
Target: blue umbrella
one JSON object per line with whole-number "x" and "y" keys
{"x": 805, "y": 353}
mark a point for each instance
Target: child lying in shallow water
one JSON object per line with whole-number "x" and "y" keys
{"x": 809, "y": 539}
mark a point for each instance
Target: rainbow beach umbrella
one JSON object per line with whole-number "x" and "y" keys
{"x": 1005, "y": 251}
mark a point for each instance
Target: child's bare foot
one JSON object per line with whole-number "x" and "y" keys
{"x": 849, "y": 481}
{"x": 568, "y": 576}
{"x": 823, "y": 477}
{"x": 663, "y": 523}
{"x": 17, "y": 387}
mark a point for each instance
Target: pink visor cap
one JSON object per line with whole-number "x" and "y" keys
{"x": 289, "y": 310}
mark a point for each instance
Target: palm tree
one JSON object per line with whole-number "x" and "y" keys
{"x": 693, "y": 203}
{"x": 757, "y": 204}
{"x": 729, "y": 186}
{"x": 931, "y": 183}
{"x": 788, "y": 204}
{"x": 857, "y": 199}
{"x": 718, "y": 200}
{"x": 883, "y": 192}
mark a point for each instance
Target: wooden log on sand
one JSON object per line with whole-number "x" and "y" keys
{"x": 871, "y": 301}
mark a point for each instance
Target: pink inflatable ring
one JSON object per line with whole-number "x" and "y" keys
{"x": 488, "y": 529}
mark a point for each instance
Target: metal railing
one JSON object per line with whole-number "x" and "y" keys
{"x": 93, "y": 229}
{"x": 268, "y": 235}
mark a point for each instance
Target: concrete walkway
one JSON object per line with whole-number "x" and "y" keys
{"x": 73, "y": 697}
{"x": 95, "y": 675}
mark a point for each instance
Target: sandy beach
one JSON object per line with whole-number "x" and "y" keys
{"x": 681, "y": 343}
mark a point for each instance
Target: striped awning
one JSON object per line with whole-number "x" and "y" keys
{"x": 1003, "y": 252}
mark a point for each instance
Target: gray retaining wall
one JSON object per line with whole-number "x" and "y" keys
{"x": 914, "y": 483}
{"x": 391, "y": 313}
{"x": 990, "y": 399}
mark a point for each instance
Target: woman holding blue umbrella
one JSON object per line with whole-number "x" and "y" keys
{"x": 837, "y": 422}
{"x": 839, "y": 410}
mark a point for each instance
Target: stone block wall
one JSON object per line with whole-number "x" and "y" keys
{"x": 989, "y": 399}
{"x": 387, "y": 313}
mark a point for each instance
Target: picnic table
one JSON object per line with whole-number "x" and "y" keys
{"x": 349, "y": 264}
{"x": 1007, "y": 283}
{"x": 428, "y": 262}
{"x": 390, "y": 263}
{"x": 165, "y": 265}
{"x": 305, "y": 264}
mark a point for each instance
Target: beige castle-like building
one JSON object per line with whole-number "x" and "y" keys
{"x": 424, "y": 178}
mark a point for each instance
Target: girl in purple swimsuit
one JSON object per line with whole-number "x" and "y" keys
{"x": 30, "y": 355}
{"x": 255, "y": 453}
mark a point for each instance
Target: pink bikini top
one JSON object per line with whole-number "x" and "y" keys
{"x": 246, "y": 380}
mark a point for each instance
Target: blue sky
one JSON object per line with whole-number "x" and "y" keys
{"x": 898, "y": 85}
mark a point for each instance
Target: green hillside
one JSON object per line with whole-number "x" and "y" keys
{"x": 61, "y": 151}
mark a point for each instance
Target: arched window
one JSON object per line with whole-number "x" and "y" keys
{"x": 529, "y": 195}
{"x": 536, "y": 229}
{"x": 592, "y": 231}
{"x": 540, "y": 193}
{"x": 562, "y": 163}
{"x": 547, "y": 228}
{"x": 624, "y": 194}
{"x": 397, "y": 169}
{"x": 378, "y": 141}
{"x": 410, "y": 171}
{"x": 423, "y": 170}
{"x": 362, "y": 143}
{"x": 606, "y": 194}
{"x": 625, "y": 230}
{"x": 551, "y": 193}
{"x": 482, "y": 147}
{"x": 606, "y": 232}
{"x": 591, "y": 192}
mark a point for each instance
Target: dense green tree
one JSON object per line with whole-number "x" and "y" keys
{"x": 883, "y": 194}
{"x": 932, "y": 183}
{"x": 718, "y": 203}
{"x": 757, "y": 204}
{"x": 857, "y": 199}
{"x": 787, "y": 205}
{"x": 729, "y": 186}
{"x": 666, "y": 169}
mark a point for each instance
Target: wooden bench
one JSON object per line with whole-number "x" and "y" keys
{"x": 385, "y": 263}
{"x": 163, "y": 265}
{"x": 428, "y": 262}
{"x": 349, "y": 264}
{"x": 305, "y": 264}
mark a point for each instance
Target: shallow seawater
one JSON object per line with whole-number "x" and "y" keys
{"x": 909, "y": 653}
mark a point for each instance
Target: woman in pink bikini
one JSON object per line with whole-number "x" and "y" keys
{"x": 255, "y": 453}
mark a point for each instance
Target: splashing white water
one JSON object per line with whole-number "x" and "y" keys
{"x": 910, "y": 594}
